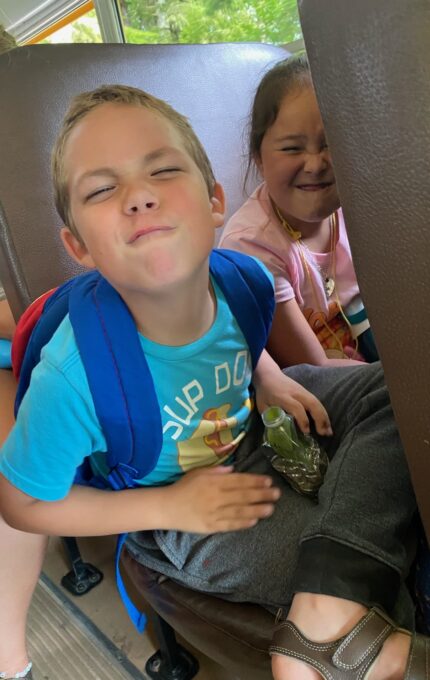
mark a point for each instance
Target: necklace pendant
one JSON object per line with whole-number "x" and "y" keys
{"x": 329, "y": 286}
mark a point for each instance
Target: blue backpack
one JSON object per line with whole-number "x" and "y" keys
{"x": 115, "y": 365}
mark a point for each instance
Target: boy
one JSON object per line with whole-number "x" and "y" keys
{"x": 136, "y": 191}
{"x": 7, "y": 323}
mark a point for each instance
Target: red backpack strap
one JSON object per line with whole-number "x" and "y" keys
{"x": 24, "y": 329}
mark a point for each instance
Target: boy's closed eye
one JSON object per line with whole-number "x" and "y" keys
{"x": 101, "y": 191}
{"x": 165, "y": 171}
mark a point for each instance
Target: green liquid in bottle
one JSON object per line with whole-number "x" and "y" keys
{"x": 297, "y": 456}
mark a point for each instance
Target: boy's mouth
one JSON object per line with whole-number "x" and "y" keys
{"x": 315, "y": 186}
{"x": 147, "y": 230}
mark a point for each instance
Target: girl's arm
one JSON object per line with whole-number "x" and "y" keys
{"x": 292, "y": 341}
{"x": 7, "y": 322}
{"x": 7, "y": 398}
{"x": 274, "y": 388}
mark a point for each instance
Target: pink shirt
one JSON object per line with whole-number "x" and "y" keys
{"x": 255, "y": 229}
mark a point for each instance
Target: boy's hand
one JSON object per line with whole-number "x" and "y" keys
{"x": 210, "y": 500}
{"x": 274, "y": 388}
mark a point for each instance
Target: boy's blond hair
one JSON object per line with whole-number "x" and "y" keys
{"x": 83, "y": 103}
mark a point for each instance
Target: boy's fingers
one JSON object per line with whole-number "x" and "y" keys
{"x": 240, "y": 499}
{"x": 234, "y": 525}
{"x": 246, "y": 480}
{"x": 240, "y": 517}
{"x": 255, "y": 511}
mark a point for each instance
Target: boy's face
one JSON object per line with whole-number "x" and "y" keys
{"x": 138, "y": 200}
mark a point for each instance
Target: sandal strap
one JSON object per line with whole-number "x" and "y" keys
{"x": 368, "y": 635}
{"x": 418, "y": 666}
{"x": 349, "y": 657}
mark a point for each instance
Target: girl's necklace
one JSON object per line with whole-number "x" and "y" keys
{"x": 327, "y": 275}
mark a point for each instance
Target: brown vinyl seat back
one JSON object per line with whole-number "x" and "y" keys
{"x": 370, "y": 62}
{"x": 211, "y": 84}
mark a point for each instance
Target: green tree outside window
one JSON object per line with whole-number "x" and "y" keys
{"x": 206, "y": 21}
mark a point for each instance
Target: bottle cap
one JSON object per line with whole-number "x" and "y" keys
{"x": 273, "y": 416}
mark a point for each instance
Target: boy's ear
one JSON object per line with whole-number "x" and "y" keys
{"x": 218, "y": 205}
{"x": 76, "y": 249}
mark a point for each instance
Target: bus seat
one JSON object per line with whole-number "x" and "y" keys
{"x": 370, "y": 62}
{"x": 211, "y": 84}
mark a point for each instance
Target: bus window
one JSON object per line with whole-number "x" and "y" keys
{"x": 84, "y": 29}
{"x": 207, "y": 21}
{"x": 153, "y": 21}
{"x": 37, "y": 21}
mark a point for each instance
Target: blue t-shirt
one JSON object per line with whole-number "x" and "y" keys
{"x": 203, "y": 390}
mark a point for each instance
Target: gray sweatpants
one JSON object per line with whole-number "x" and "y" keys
{"x": 356, "y": 542}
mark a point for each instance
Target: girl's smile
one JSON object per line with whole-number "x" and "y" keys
{"x": 315, "y": 187}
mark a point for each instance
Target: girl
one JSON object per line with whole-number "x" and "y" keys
{"x": 294, "y": 224}
{"x": 7, "y": 323}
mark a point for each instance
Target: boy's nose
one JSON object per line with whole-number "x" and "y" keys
{"x": 140, "y": 200}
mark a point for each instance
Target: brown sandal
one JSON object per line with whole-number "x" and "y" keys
{"x": 351, "y": 657}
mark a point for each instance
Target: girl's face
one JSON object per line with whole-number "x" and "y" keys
{"x": 295, "y": 162}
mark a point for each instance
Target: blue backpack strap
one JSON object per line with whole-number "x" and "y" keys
{"x": 138, "y": 618}
{"x": 54, "y": 311}
{"x": 249, "y": 293}
{"x": 123, "y": 393}
{"x": 119, "y": 378}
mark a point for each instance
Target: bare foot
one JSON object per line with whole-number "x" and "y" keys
{"x": 284, "y": 668}
{"x": 391, "y": 663}
{"x": 323, "y": 619}
{"x": 15, "y": 670}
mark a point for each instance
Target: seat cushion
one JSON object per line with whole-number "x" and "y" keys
{"x": 235, "y": 635}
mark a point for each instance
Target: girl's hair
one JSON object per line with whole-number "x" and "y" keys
{"x": 285, "y": 77}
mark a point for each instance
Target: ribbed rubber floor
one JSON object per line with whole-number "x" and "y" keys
{"x": 65, "y": 645}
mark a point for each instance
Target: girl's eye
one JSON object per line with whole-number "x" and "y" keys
{"x": 291, "y": 149}
{"x": 99, "y": 192}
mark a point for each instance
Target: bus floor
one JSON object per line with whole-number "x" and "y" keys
{"x": 103, "y": 606}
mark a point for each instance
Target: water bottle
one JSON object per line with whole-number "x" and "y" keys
{"x": 296, "y": 456}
